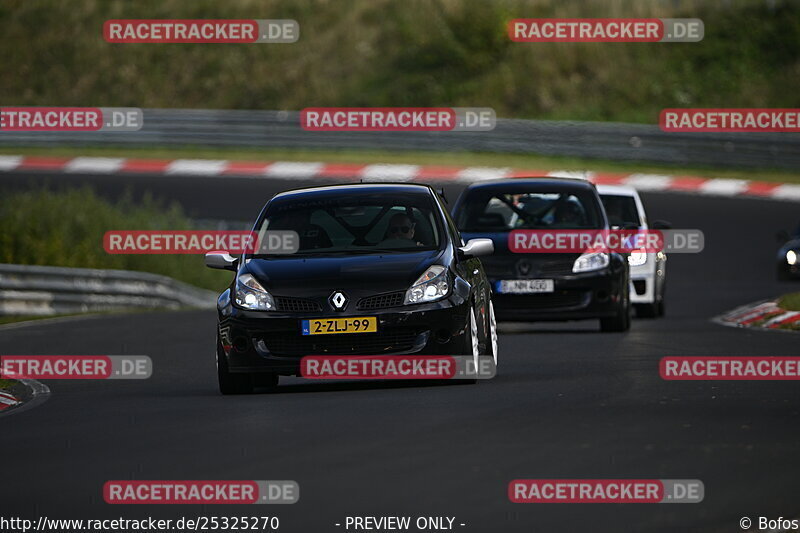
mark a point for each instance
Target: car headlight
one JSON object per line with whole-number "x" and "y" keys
{"x": 591, "y": 261}
{"x": 251, "y": 295}
{"x": 637, "y": 258}
{"x": 431, "y": 286}
{"x": 791, "y": 257}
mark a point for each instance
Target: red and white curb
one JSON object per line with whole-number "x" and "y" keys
{"x": 7, "y": 400}
{"x": 765, "y": 315}
{"x": 37, "y": 394}
{"x": 293, "y": 170}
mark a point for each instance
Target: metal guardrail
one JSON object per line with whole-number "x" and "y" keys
{"x": 281, "y": 129}
{"x": 44, "y": 290}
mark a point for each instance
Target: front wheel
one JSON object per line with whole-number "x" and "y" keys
{"x": 621, "y": 321}
{"x": 492, "y": 337}
{"x": 646, "y": 310}
{"x": 661, "y": 305}
{"x": 471, "y": 343}
{"x": 230, "y": 383}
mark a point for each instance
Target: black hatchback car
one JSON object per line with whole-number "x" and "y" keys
{"x": 380, "y": 270}
{"x": 546, "y": 286}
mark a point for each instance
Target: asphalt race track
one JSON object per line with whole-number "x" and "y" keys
{"x": 569, "y": 402}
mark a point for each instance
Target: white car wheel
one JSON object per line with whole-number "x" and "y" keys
{"x": 473, "y": 333}
{"x": 493, "y": 332}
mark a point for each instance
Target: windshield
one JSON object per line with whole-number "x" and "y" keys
{"x": 357, "y": 223}
{"x": 620, "y": 210}
{"x": 488, "y": 212}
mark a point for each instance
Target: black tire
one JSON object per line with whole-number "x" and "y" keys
{"x": 230, "y": 383}
{"x": 661, "y": 299}
{"x": 660, "y": 303}
{"x": 621, "y": 321}
{"x": 646, "y": 310}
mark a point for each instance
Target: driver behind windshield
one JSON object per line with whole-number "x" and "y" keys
{"x": 567, "y": 215}
{"x": 401, "y": 228}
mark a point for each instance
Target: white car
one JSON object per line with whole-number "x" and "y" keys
{"x": 624, "y": 209}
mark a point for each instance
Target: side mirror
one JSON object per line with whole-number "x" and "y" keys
{"x": 661, "y": 224}
{"x": 221, "y": 260}
{"x": 477, "y": 248}
{"x": 782, "y": 236}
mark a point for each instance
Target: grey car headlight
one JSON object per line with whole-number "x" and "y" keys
{"x": 249, "y": 294}
{"x": 791, "y": 257}
{"x": 590, "y": 261}
{"x": 432, "y": 285}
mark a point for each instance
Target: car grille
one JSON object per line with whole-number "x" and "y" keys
{"x": 390, "y": 341}
{"x": 555, "y": 300}
{"x": 296, "y": 305}
{"x": 537, "y": 267}
{"x": 382, "y": 301}
{"x": 559, "y": 267}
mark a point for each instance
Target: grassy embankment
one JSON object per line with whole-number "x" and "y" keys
{"x": 66, "y": 228}
{"x": 405, "y": 53}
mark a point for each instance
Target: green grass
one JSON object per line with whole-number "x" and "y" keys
{"x": 404, "y": 53}
{"x": 522, "y": 161}
{"x": 790, "y": 302}
{"x": 66, "y": 228}
{"x": 6, "y": 384}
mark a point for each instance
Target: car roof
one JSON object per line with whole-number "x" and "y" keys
{"x": 548, "y": 183}
{"x": 366, "y": 188}
{"x": 619, "y": 190}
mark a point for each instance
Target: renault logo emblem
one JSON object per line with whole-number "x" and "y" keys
{"x": 523, "y": 267}
{"x": 338, "y": 301}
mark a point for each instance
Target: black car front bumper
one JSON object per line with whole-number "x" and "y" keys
{"x": 258, "y": 341}
{"x": 575, "y": 297}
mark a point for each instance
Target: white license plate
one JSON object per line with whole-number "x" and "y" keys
{"x": 525, "y": 286}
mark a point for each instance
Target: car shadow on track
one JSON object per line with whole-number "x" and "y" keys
{"x": 329, "y": 386}
{"x": 526, "y": 328}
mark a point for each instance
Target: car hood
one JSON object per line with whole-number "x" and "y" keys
{"x": 360, "y": 273}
